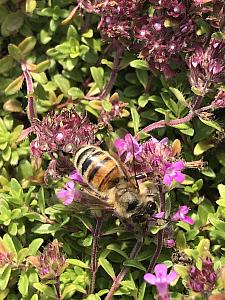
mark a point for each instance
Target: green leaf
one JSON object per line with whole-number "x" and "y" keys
{"x": 68, "y": 290}
{"x": 221, "y": 189}
{"x": 78, "y": 263}
{"x": 142, "y": 76}
{"x": 14, "y": 86}
{"x": 9, "y": 243}
{"x": 136, "y": 119}
{"x": 62, "y": 83}
{"x": 6, "y": 153}
{"x": 22, "y": 254}
{"x": 27, "y": 45}
{"x": 179, "y": 96}
{"x": 141, "y": 291}
{"x": 30, "y": 6}
{"x": 12, "y": 23}
{"x": 4, "y": 278}
{"x": 116, "y": 248}
{"x": 209, "y": 172}
{"x": 106, "y": 265}
{"x": 45, "y": 289}
{"x": 15, "y": 52}
{"x": 41, "y": 200}
{"x": 98, "y": 76}
{"x": 181, "y": 240}
{"x": 139, "y": 64}
{"x": 212, "y": 124}
{"x": 35, "y": 245}
{"x": 220, "y": 225}
{"x": 16, "y": 191}
{"x": 143, "y": 100}
{"x": 107, "y": 105}
{"x": 45, "y": 228}
{"x": 6, "y": 64}
{"x": 202, "y": 147}
{"x": 134, "y": 263}
{"x": 75, "y": 92}
{"x": 23, "y": 284}
{"x": 43, "y": 66}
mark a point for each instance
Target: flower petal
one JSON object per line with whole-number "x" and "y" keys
{"x": 171, "y": 276}
{"x": 167, "y": 180}
{"x": 184, "y": 209}
{"x": 160, "y": 270}
{"x": 179, "y": 177}
{"x": 150, "y": 278}
{"x": 76, "y": 176}
{"x": 188, "y": 220}
{"x": 178, "y": 165}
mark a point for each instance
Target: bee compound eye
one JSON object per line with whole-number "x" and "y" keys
{"x": 150, "y": 207}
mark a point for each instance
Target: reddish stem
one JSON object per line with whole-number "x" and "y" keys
{"x": 107, "y": 89}
{"x": 30, "y": 92}
{"x": 123, "y": 272}
{"x": 160, "y": 234}
{"x": 187, "y": 118}
{"x": 94, "y": 265}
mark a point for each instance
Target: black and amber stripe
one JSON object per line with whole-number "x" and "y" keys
{"x": 98, "y": 168}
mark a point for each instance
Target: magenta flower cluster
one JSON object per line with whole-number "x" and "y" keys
{"x": 202, "y": 280}
{"x": 153, "y": 157}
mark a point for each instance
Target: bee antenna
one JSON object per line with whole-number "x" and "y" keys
{"x": 134, "y": 166}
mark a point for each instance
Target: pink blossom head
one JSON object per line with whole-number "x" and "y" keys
{"x": 128, "y": 147}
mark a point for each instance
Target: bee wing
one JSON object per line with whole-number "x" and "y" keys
{"x": 92, "y": 200}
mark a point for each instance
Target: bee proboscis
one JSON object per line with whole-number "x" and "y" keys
{"x": 106, "y": 178}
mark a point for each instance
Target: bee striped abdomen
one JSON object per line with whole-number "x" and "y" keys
{"x": 97, "y": 167}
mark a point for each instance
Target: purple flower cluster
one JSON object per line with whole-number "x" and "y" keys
{"x": 158, "y": 30}
{"x": 59, "y": 134}
{"x": 202, "y": 280}
{"x": 63, "y": 131}
{"x": 155, "y": 158}
{"x": 219, "y": 101}
{"x": 207, "y": 66}
{"x": 117, "y": 17}
{"x": 51, "y": 262}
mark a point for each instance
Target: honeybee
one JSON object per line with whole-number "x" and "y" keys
{"x": 107, "y": 180}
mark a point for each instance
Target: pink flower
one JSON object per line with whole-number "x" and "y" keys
{"x": 172, "y": 172}
{"x": 170, "y": 243}
{"x": 180, "y": 215}
{"x": 159, "y": 215}
{"x": 128, "y": 147}
{"x": 74, "y": 175}
{"x": 161, "y": 280}
{"x": 69, "y": 194}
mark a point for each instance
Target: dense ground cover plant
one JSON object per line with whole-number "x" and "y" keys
{"x": 144, "y": 79}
